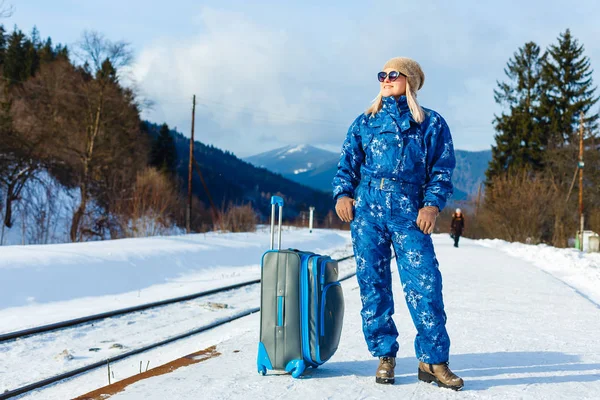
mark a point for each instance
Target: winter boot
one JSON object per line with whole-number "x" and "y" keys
{"x": 440, "y": 374}
{"x": 385, "y": 371}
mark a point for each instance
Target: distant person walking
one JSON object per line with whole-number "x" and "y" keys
{"x": 393, "y": 178}
{"x": 457, "y": 226}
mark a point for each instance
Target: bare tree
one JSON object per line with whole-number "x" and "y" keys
{"x": 94, "y": 49}
{"x": 14, "y": 182}
{"x": 237, "y": 219}
{"x": 102, "y": 60}
{"x": 20, "y": 158}
{"x": 521, "y": 207}
{"x": 147, "y": 207}
{"x": 91, "y": 130}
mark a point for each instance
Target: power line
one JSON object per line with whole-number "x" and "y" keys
{"x": 286, "y": 118}
{"x": 209, "y": 105}
{"x": 253, "y": 112}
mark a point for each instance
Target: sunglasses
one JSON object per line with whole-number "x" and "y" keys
{"x": 393, "y": 75}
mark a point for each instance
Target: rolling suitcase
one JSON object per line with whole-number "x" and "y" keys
{"x": 302, "y": 307}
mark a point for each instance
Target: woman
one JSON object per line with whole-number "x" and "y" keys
{"x": 393, "y": 178}
{"x": 457, "y": 226}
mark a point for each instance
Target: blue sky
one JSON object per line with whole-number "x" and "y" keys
{"x": 273, "y": 73}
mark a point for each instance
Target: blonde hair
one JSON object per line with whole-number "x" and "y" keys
{"x": 411, "y": 98}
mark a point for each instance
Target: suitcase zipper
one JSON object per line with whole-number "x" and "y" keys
{"x": 316, "y": 297}
{"x": 304, "y": 308}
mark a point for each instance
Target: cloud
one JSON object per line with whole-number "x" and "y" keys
{"x": 290, "y": 76}
{"x": 243, "y": 75}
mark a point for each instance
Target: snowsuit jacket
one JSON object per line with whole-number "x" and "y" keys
{"x": 418, "y": 154}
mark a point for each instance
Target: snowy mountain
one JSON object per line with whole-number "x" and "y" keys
{"x": 316, "y": 168}
{"x": 470, "y": 169}
{"x": 294, "y": 160}
{"x": 230, "y": 179}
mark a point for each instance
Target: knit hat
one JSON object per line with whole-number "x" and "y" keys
{"x": 410, "y": 68}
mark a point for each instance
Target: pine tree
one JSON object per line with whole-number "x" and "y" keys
{"x": 46, "y": 52}
{"x": 2, "y": 44}
{"x": 568, "y": 90}
{"x": 107, "y": 72}
{"x": 32, "y": 59}
{"x": 35, "y": 38}
{"x": 163, "y": 154}
{"x": 20, "y": 55}
{"x": 62, "y": 52}
{"x": 519, "y": 142}
{"x": 15, "y": 58}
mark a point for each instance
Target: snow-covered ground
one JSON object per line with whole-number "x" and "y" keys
{"x": 524, "y": 320}
{"x": 206, "y": 261}
{"x": 579, "y": 270}
{"x": 48, "y": 283}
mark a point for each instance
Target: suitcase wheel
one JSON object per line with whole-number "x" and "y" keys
{"x": 262, "y": 361}
{"x": 296, "y": 368}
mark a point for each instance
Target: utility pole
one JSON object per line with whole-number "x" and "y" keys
{"x": 580, "y": 165}
{"x": 188, "y": 219}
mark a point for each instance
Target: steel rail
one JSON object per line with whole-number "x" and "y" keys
{"x": 223, "y": 321}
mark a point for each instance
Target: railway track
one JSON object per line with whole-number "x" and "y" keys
{"x": 21, "y": 334}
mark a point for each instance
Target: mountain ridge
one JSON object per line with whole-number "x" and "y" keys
{"x": 231, "y": 179}
{"x": 468, "y": 174}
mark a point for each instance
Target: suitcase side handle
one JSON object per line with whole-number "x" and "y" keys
{"x": 276, "y": 200}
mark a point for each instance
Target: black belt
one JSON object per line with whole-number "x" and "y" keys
{"x": 391, "y": 184}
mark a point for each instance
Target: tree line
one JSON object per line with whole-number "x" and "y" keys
{"x": 76, "y": 158}
{"x": 65, "y": 113}
{"x": 529, "y": 192}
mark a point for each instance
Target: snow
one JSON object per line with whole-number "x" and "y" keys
{"x": 523, "y": 320}
{"x": 579, "y": 270}
{"x": 285, "y": 151}
{"x": 302, "y": 170}
{"x": 139, "y": 271}
{"x": 296, "y": 149}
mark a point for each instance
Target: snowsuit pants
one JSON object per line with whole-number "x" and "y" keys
{"x": 385, "y": 217}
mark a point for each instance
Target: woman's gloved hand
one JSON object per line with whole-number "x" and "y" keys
{"x": 426, "y": 219}
{"x": 343, "y": 208}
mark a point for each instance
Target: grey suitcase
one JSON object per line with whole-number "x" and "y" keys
{"x": 302, "y": 307}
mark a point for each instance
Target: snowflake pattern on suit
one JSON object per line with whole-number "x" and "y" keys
{"x": 393, "y": 166}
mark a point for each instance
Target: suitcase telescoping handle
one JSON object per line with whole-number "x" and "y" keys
{"x": 276, "y": 200}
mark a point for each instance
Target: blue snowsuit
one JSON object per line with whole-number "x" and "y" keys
{"x": 392, "y": 166}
